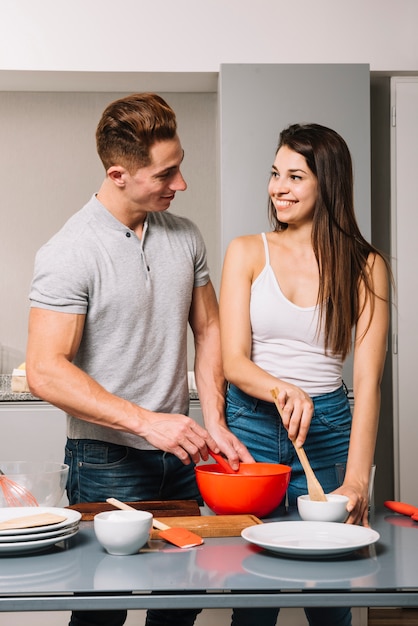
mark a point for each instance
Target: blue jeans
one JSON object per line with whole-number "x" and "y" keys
{"x": 100, "y": 470}
{"x": 257, "y": 424}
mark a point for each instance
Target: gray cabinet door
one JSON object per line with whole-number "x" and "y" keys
{"x": 256, "y": 102}
{"x": 404, "y": 186}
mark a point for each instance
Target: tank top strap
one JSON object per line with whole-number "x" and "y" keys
{"x": 266, "y": 248}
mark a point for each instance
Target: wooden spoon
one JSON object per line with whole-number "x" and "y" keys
{"x": 315, "y": 490}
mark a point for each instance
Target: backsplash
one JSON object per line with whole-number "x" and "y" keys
{"x": 9, "y": 359}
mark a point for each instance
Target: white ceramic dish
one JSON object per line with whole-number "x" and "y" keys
{"x": 71, "y": 517}
{"x": 37, "y": 536}
{"x": 310, "y": 539}
{"x": 333, "y": 510}
{"x": 15, "y": 547}
{"x": 123, "y": 532}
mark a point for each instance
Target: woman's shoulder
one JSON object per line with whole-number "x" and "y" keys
{"x": 246, "y": 254}
{"x": 246, "y": 243}
{"x": 379, "y": 269}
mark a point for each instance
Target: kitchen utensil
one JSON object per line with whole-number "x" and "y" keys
{"x": 315, "y": 490}
{"x": 36, "y": 545}
{"x": 30, "y": 521}
{"x": 15, "y": 494}
{"x": 45, "y": 480}
{"x": 123, "y": 532}
{"x": 180, "y": 537}
{"x": 256, "y": 488}
{"x": 185, "y": 513}
{"x": 21, "y": 530}
{"x": 221, "y": 460}
{"x": 334, "y": 509}
{"x": 310, "y": 539}
{"x": 70, "y": 518}
{"x": 403, "y": 508}
{"x": 44, "y": 534}
{"x": 158, "y": 508}
{"x": 212, "y": 525}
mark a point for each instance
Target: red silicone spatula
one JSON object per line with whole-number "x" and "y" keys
{"x": 221, "y": 460}
{"x": 180, "y": 537}
{"x": 403, "y": 508}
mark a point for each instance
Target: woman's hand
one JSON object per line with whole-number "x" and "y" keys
{"x": 296, "y": 410}
{"x": 230, "y": 446}
{"x": 358, "y": 502}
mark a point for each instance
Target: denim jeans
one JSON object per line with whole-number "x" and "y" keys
{"x": 100, "y": 470}
{"x": 257, "y": 424}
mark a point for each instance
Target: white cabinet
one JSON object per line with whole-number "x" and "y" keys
{"x": 404, "y": 202}
{"x": 32, "y": 431}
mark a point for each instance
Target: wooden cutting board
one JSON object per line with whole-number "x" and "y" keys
{"x": 178, "y": 513}
{"x": 159, "y": 508}
{"x": 212, "y": 525}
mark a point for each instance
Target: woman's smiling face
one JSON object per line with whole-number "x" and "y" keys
{"x": 293, "y": 188}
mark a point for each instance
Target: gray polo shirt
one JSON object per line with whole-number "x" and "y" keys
{"x": 136, "y": 296}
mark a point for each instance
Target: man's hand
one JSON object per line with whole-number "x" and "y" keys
{"x": 177, "y": 434}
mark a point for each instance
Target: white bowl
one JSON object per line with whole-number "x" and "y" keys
{"x": 45, "y": 480}
{"x": 123, "y": 532}
{"x": 333, "y": 510}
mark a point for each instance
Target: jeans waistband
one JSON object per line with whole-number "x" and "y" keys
{"x": 255, "y": 403}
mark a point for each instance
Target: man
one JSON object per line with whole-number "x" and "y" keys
{"x": 112, "y": 294}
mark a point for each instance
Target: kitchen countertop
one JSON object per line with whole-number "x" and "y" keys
{"x": 7, "y": 395}
{"x": 221, "y": 573}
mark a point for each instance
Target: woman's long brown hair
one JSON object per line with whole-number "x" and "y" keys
{"x": 340, "y": 249}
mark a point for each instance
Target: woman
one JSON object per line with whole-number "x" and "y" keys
{"x": 290, "y": 301}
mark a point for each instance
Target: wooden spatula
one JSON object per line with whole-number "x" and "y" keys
{"x": 180, "y": 537}
{"x": 315, "y": 490}
{"x": 31, "y": 521}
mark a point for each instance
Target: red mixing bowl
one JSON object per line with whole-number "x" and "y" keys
{"x": 257, "y": 488}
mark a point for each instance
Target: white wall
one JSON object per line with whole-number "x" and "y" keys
{"x": 197, "y": 36}
{"x": 48, "y": 151}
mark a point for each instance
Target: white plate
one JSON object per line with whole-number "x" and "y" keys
{"x": 34, "y": 546}
{"x": 310, "y": 539}
{"x": 71, "y": 517}
{"x": 34, "y": 536}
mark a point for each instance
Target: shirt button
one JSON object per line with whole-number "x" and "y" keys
{"x": 128, "y": 234}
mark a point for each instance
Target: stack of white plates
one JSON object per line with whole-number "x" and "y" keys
{"x": 17, "y": 540}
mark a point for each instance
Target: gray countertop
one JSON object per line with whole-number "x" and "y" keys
{"x": 221, "y": 573}
{"x": 7, "y": 395}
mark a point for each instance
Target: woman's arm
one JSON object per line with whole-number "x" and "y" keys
{"x": 369, "y": 358}
{"x": 243, "y": 262}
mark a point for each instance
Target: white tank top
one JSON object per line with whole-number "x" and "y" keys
{"x": 285, "y": 338}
